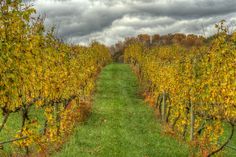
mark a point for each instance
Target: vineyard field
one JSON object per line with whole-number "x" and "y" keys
{"x": 131, "y": 78}
{"x": 192, "y": 89}
{"x": 121, "y": 123}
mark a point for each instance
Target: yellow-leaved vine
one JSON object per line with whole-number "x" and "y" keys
{"x": 41, "y": 74}
{"x": 193, "y": 89}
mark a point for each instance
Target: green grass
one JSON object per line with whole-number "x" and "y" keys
{"x": 229, "y": 152}
{"x": 121, "y": 124}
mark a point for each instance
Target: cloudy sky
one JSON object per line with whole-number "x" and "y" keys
{"x": 108, "y": 21}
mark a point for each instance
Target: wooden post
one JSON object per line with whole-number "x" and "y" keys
{"x": 164, "y": 107}
{"x": 192, "y": 118}
{"x": 57, "y": 117}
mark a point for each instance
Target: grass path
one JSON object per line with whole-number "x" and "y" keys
{"x": 121, "y": 125}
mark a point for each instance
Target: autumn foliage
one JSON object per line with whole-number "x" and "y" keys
{"x": 197, "y": 86}
{"x": 40, "y": 73}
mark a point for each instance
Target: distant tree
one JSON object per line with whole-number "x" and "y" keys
{"x": 166, "y": 39}
{"x": 156, "y": 39}
{"x": 178, "y": 38}
{"x": 144, "y": 38}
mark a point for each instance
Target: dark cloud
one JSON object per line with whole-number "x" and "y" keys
{"x": 188, "y": 9}
{"x": 81, "y": 21}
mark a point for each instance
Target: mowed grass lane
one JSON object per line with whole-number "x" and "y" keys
{"x": 121, "y": 125}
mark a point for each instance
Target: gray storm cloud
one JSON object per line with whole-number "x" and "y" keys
{"x": 81, "y": 21}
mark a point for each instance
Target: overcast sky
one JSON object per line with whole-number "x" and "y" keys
{"x": 108, "y": 21}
